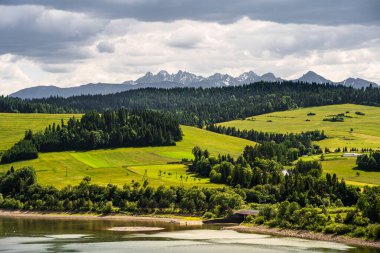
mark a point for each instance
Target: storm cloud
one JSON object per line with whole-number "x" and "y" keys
{"x": 73, "y": 42}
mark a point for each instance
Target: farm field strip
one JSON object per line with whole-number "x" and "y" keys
{"x": 116, "y": 165}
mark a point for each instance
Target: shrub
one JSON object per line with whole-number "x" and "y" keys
{"x": 130, "y": 206}
{"x": 330, "y": 229}
{"x": 11, "y": 203}
{"x": 272, "y": 223}
{"x": 108, "y": 208}
{"x": 209, "y": 215}
{"x": 341, "y": 229}
{"x": 374, "y": 231}
{"x": 359, "y": 232}
{"x": 259, "y": 220}
{"x": 249, "y": 219}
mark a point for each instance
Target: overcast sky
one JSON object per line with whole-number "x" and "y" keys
{"x": 72, "y": 42}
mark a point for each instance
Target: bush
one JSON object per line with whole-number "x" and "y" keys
{"x": 130, "y": 206}
{"x": 341, "y": 229}
{"x": 374, "y": 231}
{"x": 272, "y": 223}
{"x": 330, "y": 229}
{"x": 259, "y": 220}
{"x": 11, "y": 203}
{"x": 209, "y": 215}
{"x": 359, "y": 232}
{"x": 108, "y": 208}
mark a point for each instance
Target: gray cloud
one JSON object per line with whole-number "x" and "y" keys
{"x": 46, "y": 34}
{"x": 185, "y": 37}
{"x": 105, "y": 47}
{"x": 73, "y": 42}
{"x": 325, "y": 12}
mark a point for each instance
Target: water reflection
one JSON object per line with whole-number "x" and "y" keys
{"x": 39, "y": 235}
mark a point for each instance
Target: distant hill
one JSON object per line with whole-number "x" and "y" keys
{"x": 180, "y": 79}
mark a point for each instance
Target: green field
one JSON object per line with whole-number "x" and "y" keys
{"x": 122, "y": 165}
{"x": 365, "y": 134}
{"x": 344, "y": 167}
{"x": 13, "y": 126}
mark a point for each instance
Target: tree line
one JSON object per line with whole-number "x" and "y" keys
{"x": 111, "y": 129}
{"x": 370, "y": 162}
{"x": 19, "y": 189}
{"x": 267, "y": 181}
{"x": 360, "y": 220}
{"x": 289, "y": 146}
{"x": 199, "y": 106}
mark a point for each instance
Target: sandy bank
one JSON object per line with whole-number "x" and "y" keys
{"x": 75, "y": 216}
{"x": 135, "y": 229}
{"x": 304, "y": 234}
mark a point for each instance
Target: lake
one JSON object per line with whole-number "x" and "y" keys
{"x": 62, "y": 235}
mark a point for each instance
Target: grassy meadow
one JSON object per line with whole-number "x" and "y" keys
{"x": 344, "y": 167}
{"x": 118, "y": 166}
{"x": 13, "y": 126}
{"x": 365, "y": 134}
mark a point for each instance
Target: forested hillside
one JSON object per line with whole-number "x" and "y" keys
{"x": 197, "y": 106}
{"x": 121, "y": 128}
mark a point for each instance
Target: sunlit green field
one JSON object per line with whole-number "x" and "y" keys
{"x": 120, "y": 166}
{"x": 365, "y": 134}
{"x": 344, "y": 167}
{"x": 14, "y": 125}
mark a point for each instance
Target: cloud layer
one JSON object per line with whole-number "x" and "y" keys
{"x": 74, "y": 42}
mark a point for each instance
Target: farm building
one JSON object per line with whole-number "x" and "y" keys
{"x": 351, "y": 155}
{"x": 242, "y": 214}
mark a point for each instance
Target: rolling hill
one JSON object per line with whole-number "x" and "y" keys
{"x": 365, "y": 134}
{"x": 117, "y": 166}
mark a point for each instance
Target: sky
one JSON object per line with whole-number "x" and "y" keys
{"x": 71, "y": 42}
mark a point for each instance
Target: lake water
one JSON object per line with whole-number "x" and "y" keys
{"x": 39, "y": 235}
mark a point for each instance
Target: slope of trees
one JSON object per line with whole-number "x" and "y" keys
{"x": 19, "y": 190}
{"x": 17, "y": 105}
{"x": 266, "y": 181}
{"x": 288, "y": 147}
{"x": 120, "y": 128}
{"x": 198, "y": 106}
{"x": 369, "y": 162}
{"x": 22, "y": 150}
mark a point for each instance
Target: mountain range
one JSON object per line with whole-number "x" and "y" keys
{"x": 180, "y": 79}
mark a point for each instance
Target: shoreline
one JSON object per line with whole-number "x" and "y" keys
{"x": 304, "y": 234}
{"x": 93, "y": 216}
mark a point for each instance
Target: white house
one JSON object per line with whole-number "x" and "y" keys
{"x": 351, "y": 155}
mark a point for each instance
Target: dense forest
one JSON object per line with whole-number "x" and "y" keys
{"x": 19, "y": 190}
{"x": 120, "y": 128}
{"x": 269, "y": 182}
{"x": 369, "y": 162}
{"x": 298, "y": 197}
{"x": 287, "y": 147}
{"x": 198, "y": 106}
